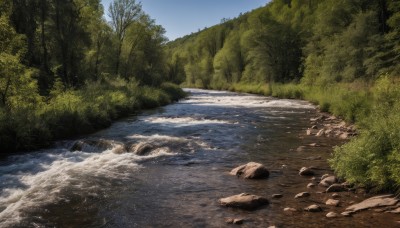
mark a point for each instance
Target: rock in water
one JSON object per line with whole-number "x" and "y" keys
{"x": 332, "y": 202}
{"x": 306, "y": 172}
{"x": 335, "y": 188}
{"x": 332, "y": 215}
{"x": 141, "y": 148}
{"x": 244, "y": 201}
{"x": 251, "y": 170}
{"x": 313, "y": 208}
{"x": 377, "y": 201}
{"x": 302, "y": 195}
{"x": 328, "y": 181}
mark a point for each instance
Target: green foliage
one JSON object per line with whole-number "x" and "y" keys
{"x": 59, "y": 75}
{"x": 372, "y": 159}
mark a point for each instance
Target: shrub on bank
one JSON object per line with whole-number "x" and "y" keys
{"x": 73, "y": 112}
{"x": 373, "y": 158}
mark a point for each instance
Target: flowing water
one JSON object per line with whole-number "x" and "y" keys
{"x": 193, "y": 146}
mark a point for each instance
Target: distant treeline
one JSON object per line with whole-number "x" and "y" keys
{"x": 316, "y": 42}
{"x": 343, "y": 55}
{"x": 65, "y": 70}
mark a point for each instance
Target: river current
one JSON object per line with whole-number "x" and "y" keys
{"x": 194, "y": 145}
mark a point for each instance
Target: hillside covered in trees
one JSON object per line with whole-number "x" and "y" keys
{"x": 65, "y": 71}
{"x": 342, "y": 55}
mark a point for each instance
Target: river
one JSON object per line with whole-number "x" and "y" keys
{"x": 194, "y": 145}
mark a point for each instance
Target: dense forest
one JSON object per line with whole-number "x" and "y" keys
{"x": 342, "y": 55}
{"x": 65, "y": 70}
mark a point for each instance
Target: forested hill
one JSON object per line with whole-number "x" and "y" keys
{"x": 315, "y": 42}
{"x": 342, "y": 55}
{"x": 65, "y": 70}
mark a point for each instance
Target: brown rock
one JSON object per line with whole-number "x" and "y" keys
{"x": 311, "y": 185}
{"x": 344, "y": 135}
{"x": 277, "y": 196}
{"x": 229, "y": 220}
{"x": 289, "y": 209}
{"x": 335, "y": 188}
{"x": 244, "y": 201}
{"x": 238, "y": 221}
{"x": 332, "y": 215}
{"x": 346, "y": 213}
{"x": 325, "y": 176}
{"x": 313, "y": 208}
{"x": 377, "y": 201}
{"x": 302, "y": 195}
{"x": 327, "y": 181}
{"x": 251, "y": 170}
{"x": 141, "y": 148}
{"x": 332, "y": 202}
{"x": 395, "y": 211}
{"x": 306, "y": 172}
{"x": 335, "y": 196}
{"x": 314, "y": 127}
{"x": 320, "y": 133}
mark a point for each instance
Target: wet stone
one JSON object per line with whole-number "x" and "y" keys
{"x": 289, "y": 209}
{"x": 336, "y": 188}
{"x": 306, "y": 172}
{"x": 335, "y": 196}
{"x": 327, "y": 181}
{"x": 311, "y": 185}
{"x": 302, "y": 195}
{"x": 332, "y": 202}
{"x": 244, "y": 201}
{"x": 332, "y": 215}
{"x": 277, "y": 196}
{"x": 251, "y": 170}
{"x": 313, "y": 208}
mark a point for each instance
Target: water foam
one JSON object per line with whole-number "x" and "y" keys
{"x": 182, "y": 121}
{"x": 230, "y": 99}
{"x": 37, "y": 180}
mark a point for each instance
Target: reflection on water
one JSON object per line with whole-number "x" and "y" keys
{"x": 192, "y": 146}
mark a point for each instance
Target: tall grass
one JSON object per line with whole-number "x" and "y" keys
{"x": 73, "y": 112}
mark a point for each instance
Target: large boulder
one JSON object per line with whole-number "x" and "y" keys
{"x": 251, "y": 170}
{"x": 377, "y": 201}
{"x": 244, "y": 201}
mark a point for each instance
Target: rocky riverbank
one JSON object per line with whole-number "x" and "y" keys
{"x": 325, "y": 195}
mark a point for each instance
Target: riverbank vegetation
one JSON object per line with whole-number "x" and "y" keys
{"x": 65, "y": 70}
{"x": 342, "y": 55}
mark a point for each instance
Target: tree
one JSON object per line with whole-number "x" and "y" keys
{"x": 123, "y": 13}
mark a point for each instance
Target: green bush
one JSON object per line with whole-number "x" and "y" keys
{"x": 372, "y": 159}
{"x": 73, "y": 112}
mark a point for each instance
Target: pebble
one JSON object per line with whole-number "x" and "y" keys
{"x": 313, "y": 208}
{"x": 277, "y": 196}
{"x": 332, "y": 215}
{"x": 289, "y": 209}
{"x": 306, "y": 172}
{"x": 311, "y": 185}
{"x": 302, "y": 195}
{"x": 332, "y": 202}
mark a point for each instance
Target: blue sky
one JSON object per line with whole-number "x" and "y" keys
{"x": 181, "y": 17}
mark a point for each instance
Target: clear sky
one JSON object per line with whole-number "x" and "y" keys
{"x": 182, "y": 17}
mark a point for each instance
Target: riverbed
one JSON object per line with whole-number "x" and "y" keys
{"x": 195, "y": 143}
